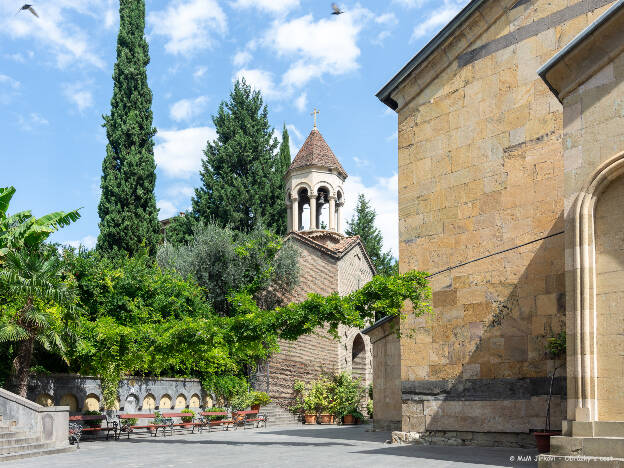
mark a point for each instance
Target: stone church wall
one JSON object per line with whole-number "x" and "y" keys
{"x": 481, "y": 171}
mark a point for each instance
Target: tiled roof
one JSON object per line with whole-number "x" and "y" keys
{"x": 331, "y": 243}
{"x": 316, "y": 152}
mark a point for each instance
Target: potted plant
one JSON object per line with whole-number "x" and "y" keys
{"x": 346, "y": 395}
{"x": 158, "y": 420}
{"x": 352, "y": 417}
{"x": 321, "y": 401}
{"x": 304, "y": 403}
{"x": 369, "y": 409}
{"x": 556, "y": 348}
{"x": 216, "y": 410}
{"x": 259, "y": 399}
{"x": 188, "y": 420}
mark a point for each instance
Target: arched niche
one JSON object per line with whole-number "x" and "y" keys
{"x": 195, "y": 401}
{"x": 180, "y": 401}
{"x": 69, "y": 399}
{"x": 594, "y": 362}
{"x": 131, "y": 404}
{"x": 45, "y": 399}
{"x": 165, "y": 402}
{"x": 91, "y": 403}
{"x": 359, "y": 359}
{"x": 149, "y": 402}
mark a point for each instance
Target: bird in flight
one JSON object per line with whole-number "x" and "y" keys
{"x": 28, "y": 7}
{"x": 337, "y": 10}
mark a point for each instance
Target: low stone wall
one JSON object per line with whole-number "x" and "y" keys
{"x": 84, "y": 393}
{"x": 465, "y": 438}
{"x": 51, "y": 423}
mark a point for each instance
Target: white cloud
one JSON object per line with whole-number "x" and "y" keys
{"x": 54, "y": 30}
{"x": 241, "y": 58}
{"x": 438, "y": 18}
{"x": 179, "y": 152}
{"x": 189, "y": 26}
{"x": 200, "y": 72}
{"x": 7, "y": 81}
{"x": 78, "y": 95}
{"x": 187, "y": 109}
{"x": 291, "y": 128}
{"x": 260, "y": 80}
{"x": 270, "y": 6}
{"x": 383, "y": 196}
{"x": 166, "y": 209}
{"x": 87, "y": 242}
{"x": 31, "y": 121}
{"x": 328, "y": 45}
{"x": 177, "y": 191}
{"x": 361, "y": 162}
{"x": 388, "y": 19}
{"x": 301, "y": 102}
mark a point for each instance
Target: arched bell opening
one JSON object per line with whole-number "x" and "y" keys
{"x": 304, "y": 208}
{"x": 322, "y": 208}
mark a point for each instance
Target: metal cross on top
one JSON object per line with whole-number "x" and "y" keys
{"x": 314, "y": 113}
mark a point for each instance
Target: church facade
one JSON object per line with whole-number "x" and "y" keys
{"x": 329, "y": 262}
{"x": 511, "y": 133}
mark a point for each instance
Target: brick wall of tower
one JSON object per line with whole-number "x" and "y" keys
{"x": 312, "y": 355}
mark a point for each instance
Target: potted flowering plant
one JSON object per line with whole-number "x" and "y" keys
{"x": 556, "y": 348}
{"x": 188, "y": 420}
{"x": 259, "y": 399}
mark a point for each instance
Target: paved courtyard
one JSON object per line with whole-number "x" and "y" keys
{"x": 315, "y": 446}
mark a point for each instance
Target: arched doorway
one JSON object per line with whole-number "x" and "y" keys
{"x": 358, "y": 358}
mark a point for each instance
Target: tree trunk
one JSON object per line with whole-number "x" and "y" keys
{"x": 21, "y": 366}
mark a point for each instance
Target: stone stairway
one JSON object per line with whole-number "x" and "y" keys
{"x": 278, "y": 416}
{"x": 15, "y": 443}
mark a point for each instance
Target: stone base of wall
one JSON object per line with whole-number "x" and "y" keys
{"x": 465, "y": 438}
{"x": 386, "y": 425}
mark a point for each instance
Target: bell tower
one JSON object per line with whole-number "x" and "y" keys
{"x": 315, "y": 179}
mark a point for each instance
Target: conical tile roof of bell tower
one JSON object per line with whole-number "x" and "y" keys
{"x": 316, "y": 152}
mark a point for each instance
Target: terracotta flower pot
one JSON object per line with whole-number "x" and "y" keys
{"x": 324, "y": 419}
{"x": 542, "y": 440}
{"x": 348, "y": 419}
{"x": 310, "y": 418}
{"x": 255, "y": 407}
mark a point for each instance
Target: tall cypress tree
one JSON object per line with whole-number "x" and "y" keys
{"x": 363, "y": 224}
{"x": 127, "y": 209}
{"x": 239, "y": 183}
{"x": 284, "y": 160}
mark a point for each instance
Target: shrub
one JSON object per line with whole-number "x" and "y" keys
{"x": 346, "y": 394}
{"x": 188, "y": 419}
{"x": 260, "y": 398}
{"x": 241, "y": 401}
{"x": 369, "y": 408}
{"x": 216, "y": 410}
{"x": 94, "y": 423}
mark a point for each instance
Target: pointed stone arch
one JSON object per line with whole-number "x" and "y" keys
{"x": 585, "y": 349}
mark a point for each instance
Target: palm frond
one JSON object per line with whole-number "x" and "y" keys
{"x": 12, "y": 332}
{"x": 6, "y": 193}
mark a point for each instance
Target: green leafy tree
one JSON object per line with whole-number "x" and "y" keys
{"x": 284, "y": 158}
{"x": 223, "y": 261}
{"x": 240, "y": 184}
{"x": 23, "y": 230}
{"x": 127, "y": 209}
{"x": 363, "y": 224}
{"x": 37, "y": 309}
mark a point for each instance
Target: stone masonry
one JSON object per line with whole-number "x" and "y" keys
{"x": 482, "y": 192}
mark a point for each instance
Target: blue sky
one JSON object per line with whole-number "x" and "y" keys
{"x": 55, "y": 84}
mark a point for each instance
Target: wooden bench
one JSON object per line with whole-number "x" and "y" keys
{"x": 207, "y": 422}
{"x": 78, "y": 426}
{"x": 152, "y": 428}
{"x": 249, "y": 419}
{"x": 182, "y": 424}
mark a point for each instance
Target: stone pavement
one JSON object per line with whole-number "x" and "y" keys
{"x": 302, "y": 446}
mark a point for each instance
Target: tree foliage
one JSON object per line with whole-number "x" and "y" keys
{"x": 241, "y": 177}
{"x": 23, "y": 230}
{"x": 224, "y": 261}
{"x": 127, "y": 209}
{"x": 363, "y": 224}
{"x": 37, "y": 304}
